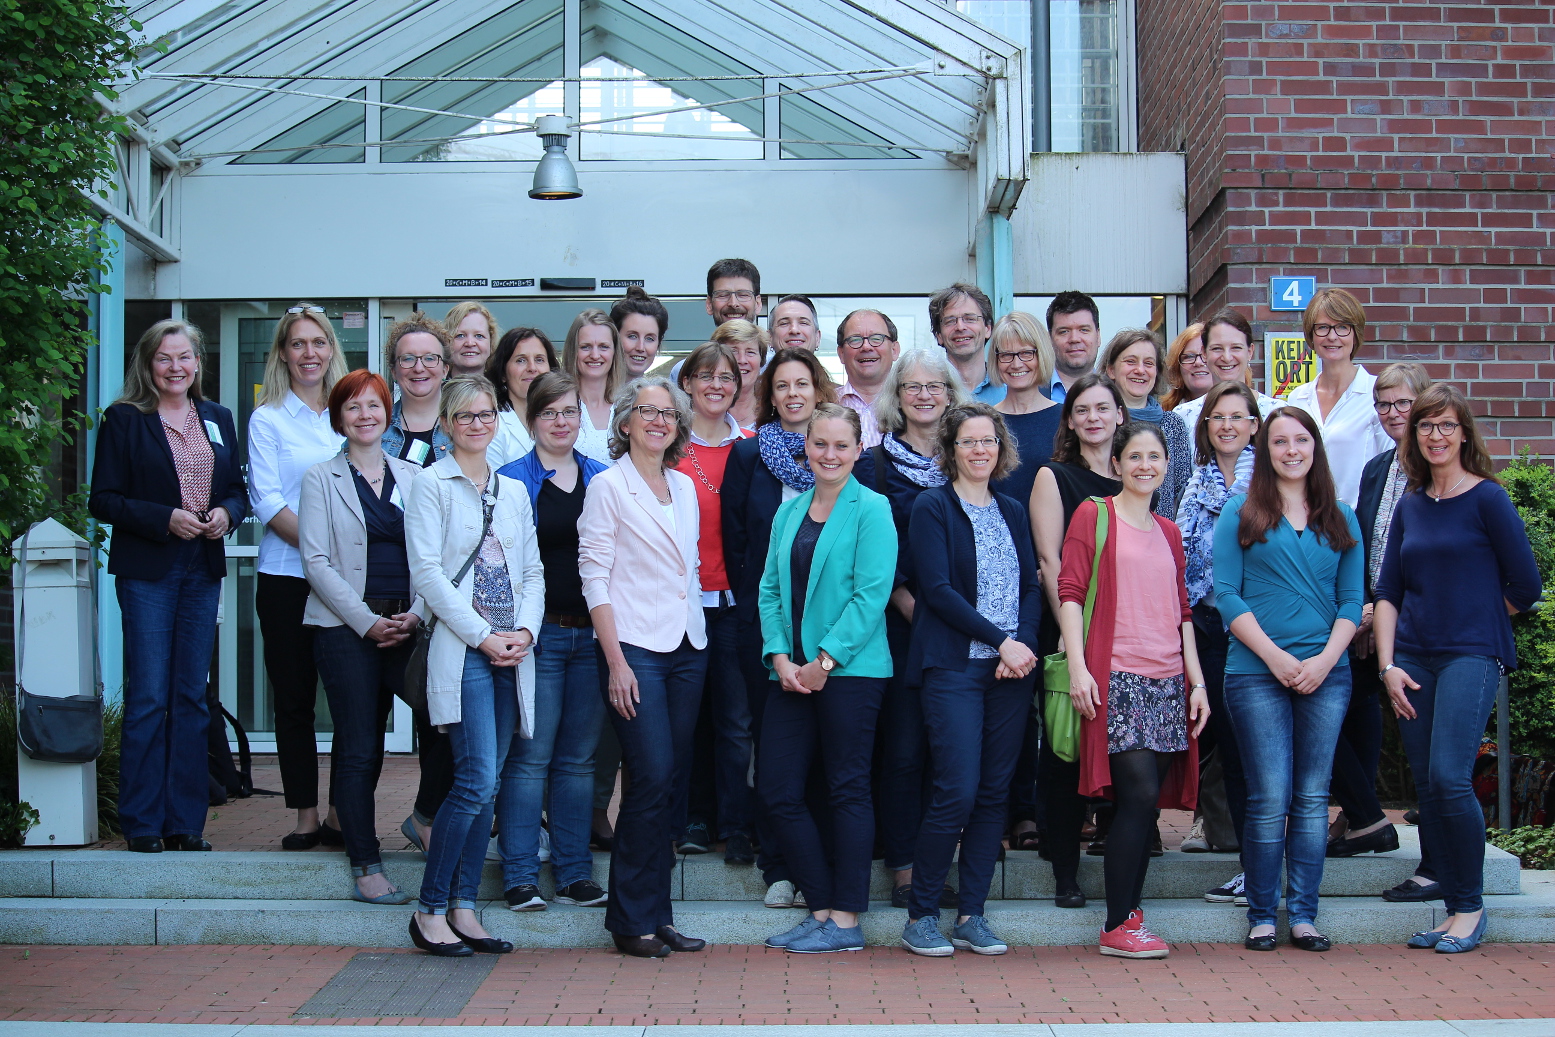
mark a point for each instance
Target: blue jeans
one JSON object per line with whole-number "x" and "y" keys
{"x": 900, "y": 755}
{"x": 836, "y": 725}
{"x": 488, "y": 704}
{"x": 1287, "y": 785}
{"x": 568, "y": 716}
{"x": 976, "y": 725}
{"x": 360, "y": 680}
{"x": 169, "y": 636}
{"x": 656, "y": 752}
{"x": 1456, "y": 695}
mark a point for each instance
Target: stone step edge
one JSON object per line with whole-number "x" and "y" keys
{"x": 1517, "y": 918}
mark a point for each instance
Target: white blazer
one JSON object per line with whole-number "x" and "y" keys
{"x": 632, "y": 558}
{"x": 442, "y": 528}
{"x": 332, "y": 537}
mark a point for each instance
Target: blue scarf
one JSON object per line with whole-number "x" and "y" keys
{"x": 783, "y": 454}
{"x": 1149, "y": 411}
{"x": 917, "y": 469}
{"x": 1201, "y": 505}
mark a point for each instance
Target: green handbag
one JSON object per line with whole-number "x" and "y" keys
{"x": 1060, "y": 719}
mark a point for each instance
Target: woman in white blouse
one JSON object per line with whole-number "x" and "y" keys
{"x": 592, "y": 355}
{"x": 470, "y": 537}
{"x": 288, "y": 433}
{"x": 523, "y": 355}
{"x": 1340, "y": 397}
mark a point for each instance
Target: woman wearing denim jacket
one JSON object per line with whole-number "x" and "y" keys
{"x": 480, "y": 677}
{"x": 1288, "y": 579}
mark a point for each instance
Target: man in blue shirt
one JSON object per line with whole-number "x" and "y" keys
{"x": 1075, "y": 330}
{"x": 962, "y": 319}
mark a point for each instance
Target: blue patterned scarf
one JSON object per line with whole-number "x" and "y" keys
{"x": 783, "y": 454}
{"x": 917, "y": 469}
{"x": 1201, "y": 505}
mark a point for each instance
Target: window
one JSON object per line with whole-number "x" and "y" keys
{"x": 659, "y": 133}
{"x": 1090, "y": 77}
{"x": 341, "y": 123}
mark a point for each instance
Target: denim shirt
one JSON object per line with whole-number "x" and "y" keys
{"x": 394, "y": 438}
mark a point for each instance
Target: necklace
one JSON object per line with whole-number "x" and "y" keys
{"x": 691, "y": 452}
{"x": 1448, "y": 491}
{"x": 384, "y": 467}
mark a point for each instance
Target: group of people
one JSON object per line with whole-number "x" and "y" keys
{"x": 825, "y": 623}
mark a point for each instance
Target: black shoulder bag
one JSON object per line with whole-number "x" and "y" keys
{"x": 49, "y": 728}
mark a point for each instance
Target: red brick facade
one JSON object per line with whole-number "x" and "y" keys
{"x": 1402, "y": 150}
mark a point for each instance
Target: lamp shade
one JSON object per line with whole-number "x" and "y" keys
{"x": 555, "y": 177}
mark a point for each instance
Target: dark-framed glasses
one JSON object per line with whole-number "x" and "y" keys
{"x": 1446, "y": 428}
{"x": 1400, "y": 406}
{"x": 1025, "y": 356}
{"x": 408, "y": 361}
{"x": 1341, "y": 330}
{"x": 740, "y": 295}
{"x": 918, "y": 388}
{"x": 648, "y": 412}
{"x": 567, "y": 413}
{"x": 855, "y": 341}
{"x": 470, "y": 417}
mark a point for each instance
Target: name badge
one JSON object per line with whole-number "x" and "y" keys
{"x": 213, "y": 433}
{"x": 395, "y": 498}
{"x": 417, "y": 453}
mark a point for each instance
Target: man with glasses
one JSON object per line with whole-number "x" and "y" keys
{"x": 733, "y": 291}
{"x": 867, "y": 347}
{"x": 962, "y": 319}
{"x": 1074, "y": 326}
{"x": 418, "y": 353}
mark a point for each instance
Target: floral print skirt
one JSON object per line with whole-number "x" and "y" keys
{"x": 1146, "y": 713}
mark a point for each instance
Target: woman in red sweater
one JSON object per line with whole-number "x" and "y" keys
{"x": 711, "y": 377}
{"x": 1127, "y": 670}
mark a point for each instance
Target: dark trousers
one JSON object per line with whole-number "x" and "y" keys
{"x": 1212, "y": 641}
{"x": 169, "y": 635}
{"x": 656, "y": 752}
{"x": 360, "y": 680}
{"x": 436, "y": 754}
{"x": 1359, "y": 751}
{"x": 719, "y": 794}
{"x": 901, "y": 752}
{"x": 279, "y": 602}
{"x": 975, "y": 728}
{"x": 836, "y": 726}
{"x": 758, "y": 686}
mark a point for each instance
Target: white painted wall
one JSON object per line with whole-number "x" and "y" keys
{"x": 399, "y": 233}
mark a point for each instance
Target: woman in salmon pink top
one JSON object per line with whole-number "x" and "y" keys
{"x": 1134, "y": 675}
{"x": 711, "y": 377}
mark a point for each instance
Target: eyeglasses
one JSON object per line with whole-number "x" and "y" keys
{"x": 708, "y": 378}
{"x": 918, "y": 388}
{"x": 1025, "y": 356}
{"x": 855, "y": 341}
{"x": 1446, "y": 428}
{"x": 1228, "y": 419}
{"x": 739, "y": 296}
{"x": 987, "y": 443}
{"x": 971, "y": 320}
{"x": 569, "y": 413}
{"x": 1341, "y": 330}
{"x": 470, "y": 417}
{"x": 1191, "y": 358}
{"x": 651, "y": 413}
{"x": 408, "y": 362}
{"x": 1401, "y": 406}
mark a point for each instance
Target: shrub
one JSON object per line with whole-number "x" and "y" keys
{"x": 1534, "y": 846}
{"x": 1531, "y": 484}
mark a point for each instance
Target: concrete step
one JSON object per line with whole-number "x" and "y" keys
{"x": 1514, "y": 918}
{"x": 319, "y": 875}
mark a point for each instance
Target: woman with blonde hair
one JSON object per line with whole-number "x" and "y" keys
{"x": 288, "y": 433}
{"x": 1022, "y": 361}
{"x": 473, "y": 331}
{"x": 750, "y": 345}
{"x": 592, "y": 356}
{"x": 1187, "y": 371}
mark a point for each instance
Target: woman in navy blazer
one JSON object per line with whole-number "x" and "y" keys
{"x": 973, "y": 654}
{"x": 168, "y": 479}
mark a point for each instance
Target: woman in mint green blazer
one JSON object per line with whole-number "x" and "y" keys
{"x": 830, "y": 567}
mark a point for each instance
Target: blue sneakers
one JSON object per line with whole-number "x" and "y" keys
{"x": 826, "y": 938}
{"x": 923, "y": 937}
{"x": 975, "y": 936}
{"x": 783, "y": 939}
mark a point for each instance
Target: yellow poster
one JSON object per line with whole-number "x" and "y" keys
{"x": 1288, "y": 362}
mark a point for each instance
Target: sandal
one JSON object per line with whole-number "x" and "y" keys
{"x": 1029, "y": 839}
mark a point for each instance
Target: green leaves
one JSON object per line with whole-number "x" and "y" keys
{"x": 1531, "y": 484}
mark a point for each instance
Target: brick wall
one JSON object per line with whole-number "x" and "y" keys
{"x": 1404, "y": 151}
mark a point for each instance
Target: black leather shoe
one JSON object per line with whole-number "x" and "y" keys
{"x": 948, "y": 897}
{"x": 1380, "y": 841}
{"x": 738, "y": 849}
{"x": 185, "y": 842}
{"x": 484, "y": 944}
{"x": 439, "y": 950}
{"x": 1411, "y": 892}
{"x": 146, "y": 844}
{"x": 677, "y": 941}
{"x": 1315, "y": 942}
{"x": 900, "y": 894}
{"x": 331, "y": 836}
{"x": 1259, "y": 943}
{"x": 300, "y": 840}
{"x": 642, "y": 946}
{"x": 1069, "y": 898}
{"x": 1156, "y": 849}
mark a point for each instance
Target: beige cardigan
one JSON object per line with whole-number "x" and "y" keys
{"x": 332, "y": 538}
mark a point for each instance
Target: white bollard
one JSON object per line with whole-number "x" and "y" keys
{"x": 55, "y": 654}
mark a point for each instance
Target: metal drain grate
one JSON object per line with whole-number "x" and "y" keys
{"x": 415, "y": 986}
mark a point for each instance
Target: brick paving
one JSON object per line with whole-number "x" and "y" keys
{"x": 1199, "y": 983}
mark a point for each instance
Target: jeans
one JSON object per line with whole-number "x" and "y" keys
{"x": 169, "y": 636}
{"x": 975, "y": 725}
{"x": 1212, "y": 641}
{"x": 1452, "y": 706}
{"x": 901, "y": 752}
{"x": 1287, "y": 785}
{"x": 836, "y": 724}
{"x": 360, "y": 680}
{"x": 758, "y": 686}
{"x": 488, "y": 704}
{"x": 279, "y": 602}
{"x": 1359, "y": 751}
{"x": 721, "y": 763}
{"x": 656, "y": 751}
{"x": 568, "y": 716}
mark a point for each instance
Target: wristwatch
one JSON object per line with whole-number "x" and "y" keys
{"x": 826, "y": 661}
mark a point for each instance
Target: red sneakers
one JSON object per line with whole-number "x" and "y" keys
{"x": 1133, "y": 940}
